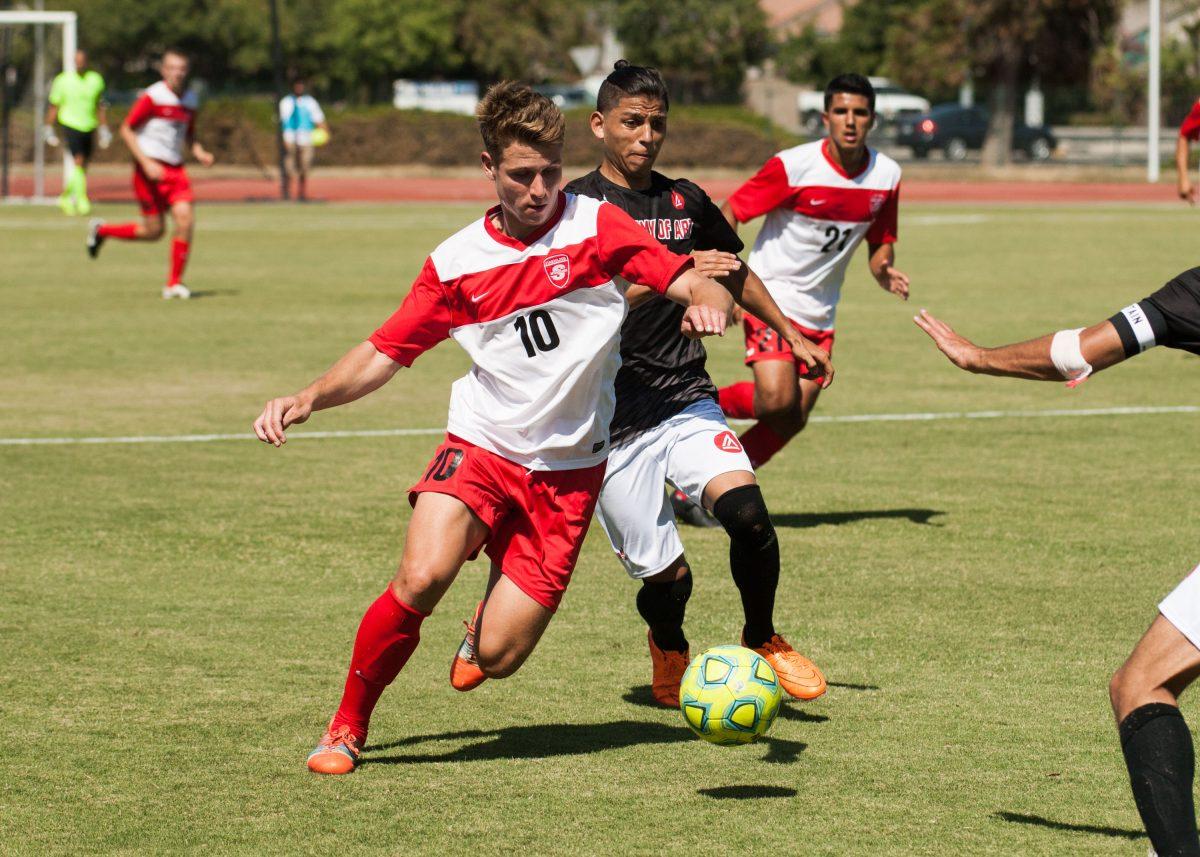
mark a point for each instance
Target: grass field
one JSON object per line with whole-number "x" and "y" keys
{"x": 176, "y": 617}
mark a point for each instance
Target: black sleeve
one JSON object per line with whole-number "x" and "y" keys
{"x": 1170, "y": 317}
{"x": 712, "y": 230}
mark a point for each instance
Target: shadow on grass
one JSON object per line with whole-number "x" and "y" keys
{"x": 215, "y": 293}
{"x": 848, "y": 686}
{"x": 641, "y": 695}
{"x": 746, "y": 792}
{"x": 1038, "y": 821}
{"x": 816, "y": 519}
{"x": 557, "y": 739}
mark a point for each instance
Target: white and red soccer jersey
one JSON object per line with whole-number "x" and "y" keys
{"x": 541, "y": 320}
{"x": 163, "y": 122}
{"x": 816, "y": 216}
{"x": 1190, "y": 129}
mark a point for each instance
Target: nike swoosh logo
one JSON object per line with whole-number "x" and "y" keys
{"x": 816, "y": 202}
{"x": 477, "y": 298}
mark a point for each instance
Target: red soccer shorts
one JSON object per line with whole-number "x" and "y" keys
{"x": 762, "y": 343}
{"x": 155, "y": 197}
{"x": 538, "y": 518}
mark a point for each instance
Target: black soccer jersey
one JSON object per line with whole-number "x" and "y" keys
{"x": 662, "y": 371}
{"x": 1170, "y": 317}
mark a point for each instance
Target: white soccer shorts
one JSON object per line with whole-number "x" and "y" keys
{"x": 688, "y": 450}
{"x": 1182, "y": 607}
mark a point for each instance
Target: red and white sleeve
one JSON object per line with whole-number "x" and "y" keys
{"x": 142, "y": 110}
{"x": 765, "y": 191}
{"x": 885, "y": 228}
{"x": 628, "y": 250}
{"x": 1190, "y": 128}
{"x": 422, "y": 321}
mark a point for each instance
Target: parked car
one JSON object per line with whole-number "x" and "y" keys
{"x": 892, "y": 103}
{"x": 566, "y": 96}
{"x": 956, "y": 130}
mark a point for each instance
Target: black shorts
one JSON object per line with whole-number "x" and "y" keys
{"x": 78, "y": 142}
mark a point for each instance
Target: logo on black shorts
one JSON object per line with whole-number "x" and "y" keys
{"x": 727, "y": 441}
{"x": 444, "y": 464}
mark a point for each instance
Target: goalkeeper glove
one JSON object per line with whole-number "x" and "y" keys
{"x": 49, "y": 136}
{"x": 105, "y": 137}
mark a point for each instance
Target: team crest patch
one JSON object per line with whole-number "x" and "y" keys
{"x": 877, "y": 200}
{"x": 558, "y": 269}
{"x": 677, "y": 199}
{"x": 727, "y": 441}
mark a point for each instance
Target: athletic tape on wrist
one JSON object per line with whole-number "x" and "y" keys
{"x": 1067, "y": 356}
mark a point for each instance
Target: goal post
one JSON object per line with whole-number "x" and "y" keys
{"x": 68, "y": 21}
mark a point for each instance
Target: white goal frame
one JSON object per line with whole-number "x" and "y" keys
{"x": 70, "y": 39}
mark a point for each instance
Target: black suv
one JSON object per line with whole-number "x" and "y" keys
{"x": 955, "y": 129}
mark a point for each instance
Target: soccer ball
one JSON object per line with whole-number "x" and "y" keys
{"x": 729, "y": 695}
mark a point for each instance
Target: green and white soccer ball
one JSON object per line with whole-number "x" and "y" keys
{"x": 729, "y": 695}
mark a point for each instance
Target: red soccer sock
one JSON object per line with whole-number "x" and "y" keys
{"x": 761, "y": 442}
{"x": 737, "y": 400}
{"x": 387, "y": 636}
{"x": 179, "y": 257}
{"x": 124, "y": 231}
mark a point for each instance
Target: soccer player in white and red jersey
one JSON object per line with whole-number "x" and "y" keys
{"x": 159, "y": 129}
{"x": 1189, "y": 132}
{"x": 821, "y": 200}
{"x": 534, "y": 292}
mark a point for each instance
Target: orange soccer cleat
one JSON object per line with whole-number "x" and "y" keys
{"x": 337, "y": 753}
{"x": 669, "y": 668}
{"x": 465, "y": 673}
{"x": 797, "y": 674}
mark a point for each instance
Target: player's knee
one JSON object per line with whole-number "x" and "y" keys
{"x": 743, "y": 513}
{"x": 663, "y": 598}
{"x": 775, "y": 402}
{"x": 415, "y": 581}
{"x": 152, "y": 230}
{"x": 1127, "y": 689}
{"x": 499, "y": 662}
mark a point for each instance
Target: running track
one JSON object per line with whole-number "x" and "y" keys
{"x": 351, "y": 188}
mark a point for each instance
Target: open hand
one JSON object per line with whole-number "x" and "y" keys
{"x": 1187, "y": 192}
{"x": 715, "y": 263}
{"x": 277, "y": 415}
{"x": 962, "y": 352}
{"x": 153, "y": 170}
{"x": 894, "y": 281}
{"x": 700, "y": 320}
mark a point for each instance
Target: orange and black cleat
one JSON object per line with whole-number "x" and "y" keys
{"x": 465, "y": 673}
{"x": 797, "y": 674}
{"x": 669, "y": 668}
{"x": 337, "y": 753}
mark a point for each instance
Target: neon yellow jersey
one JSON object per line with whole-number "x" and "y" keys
{"x": 77, "y": 96}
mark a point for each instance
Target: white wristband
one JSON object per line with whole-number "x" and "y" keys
{"x": 1067, "y": 356}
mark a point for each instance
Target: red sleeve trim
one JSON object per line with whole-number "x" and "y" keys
{"x": 885, "y": 228}
{"x": 627, "y": 250}
{"x": 421, "y": 322}
{"x": 1190, "y": 129}
{"x": 765, "y": 191}
{"x": 142, "y": 110}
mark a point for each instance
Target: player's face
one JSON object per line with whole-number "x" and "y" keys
{"x": 175, "y": 71}
{"x": 848, "y": 120}
{"x": 527, "y": 179}
{"x": 633, "y": 132}
{"x": 80, "y": 61}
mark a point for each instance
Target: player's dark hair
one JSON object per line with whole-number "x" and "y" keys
{"x": 854, "y": 84}
{"x": 512, "y": 112}
{"x": 627, "y": 80}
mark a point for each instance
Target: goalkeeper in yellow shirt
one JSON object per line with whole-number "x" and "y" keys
{"x": 77, "y": 105}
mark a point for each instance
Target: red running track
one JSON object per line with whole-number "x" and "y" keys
{"x": 342, "y": 188}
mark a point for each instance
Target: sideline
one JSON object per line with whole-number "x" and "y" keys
{"x": 419, "y": 432}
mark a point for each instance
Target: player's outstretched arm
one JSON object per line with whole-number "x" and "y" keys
{"x": 708, "y": 304}
{"x": 360, "y": 371}
{"x": 1064, "y": 356}
{"x": 882, "y": 262}
{"x": 751, "y": 293}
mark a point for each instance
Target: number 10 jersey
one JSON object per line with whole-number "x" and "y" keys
{"x": 541, "y": 320}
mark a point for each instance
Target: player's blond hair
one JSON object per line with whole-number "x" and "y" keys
{"x": 512, "y": 112}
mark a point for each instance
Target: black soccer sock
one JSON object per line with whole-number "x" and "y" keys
{"x": 662, "y": 605}
{"x": 753, "y": 557}
{"x": 1158, "y": 752}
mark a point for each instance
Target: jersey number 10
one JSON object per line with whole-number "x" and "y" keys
{"x": 537, "y": 332}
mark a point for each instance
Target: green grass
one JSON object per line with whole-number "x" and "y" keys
{"x": 176, "y": 618}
